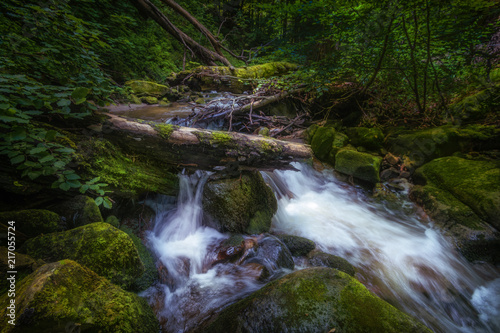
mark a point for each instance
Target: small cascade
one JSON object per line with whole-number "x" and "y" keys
{"x": 398, "y": 256}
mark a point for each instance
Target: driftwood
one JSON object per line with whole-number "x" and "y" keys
{"x": 203, "y": 149}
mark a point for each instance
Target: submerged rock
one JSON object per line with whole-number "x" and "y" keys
{"x": 101, "y": 247}
{"x": 313, "y": 300}
{"x": 298, "y": 246}
{"x": 359, "y": 165}
{"x": 33, "y": 222}
{"x": 322, "y": 259}
{"x": 271, "y": 253}
{"x": 66, "y": 297}
{"x": 244, "y": 205}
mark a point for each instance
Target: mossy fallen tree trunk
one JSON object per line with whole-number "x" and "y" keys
{"x": 203, "y": 149}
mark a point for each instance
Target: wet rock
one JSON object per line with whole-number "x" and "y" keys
{"x": 101, "y": 247}
{"x": 231, "y": 249}
{"x": 463, "y": 198}
{"x": 78, "y": 211}
{"x": 313, "y": 300}
{"x": 369, "y": 138}
{"x": 388, "y": 174}
{"x": 359, "y": 165}
{"x": 326, "y": 142}
{"x": 272, "y": 254}
{"x": 298, "y": 246}
{"x": 65, "y": 296}
{"x": 322, "y": 259}
{"x": 33, "y": 222}
{"x": 391, "y": 159}
{"x": 244, "y": 205}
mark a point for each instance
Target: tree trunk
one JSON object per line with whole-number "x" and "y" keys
{"x": 203, "y": 149}
{"x": 202, "y": 53}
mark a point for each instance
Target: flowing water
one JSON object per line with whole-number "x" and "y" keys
{"x": 398, "y": 254}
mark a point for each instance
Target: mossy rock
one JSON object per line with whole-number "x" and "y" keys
{"x": 33, "y": 222}
{"x": 313, "y": 300}
{"x": 25, "y": 265}
{"x": 359, "y": 165}
{"x": 101, "y": 247}
{"x": 476, "y": 183}
{"x": 370, "y": 138}
{"x": 298, "y": 246}
{"x": 321, "y": 143}
{"x": 149, "y": 100}
{"x": 113, "y": 220}
{"x": 322, "y": 259}
{"x": 79, "y": 210}
{"x": 476, "y": 107}
{"x": 475, "y": 239}
{"x": 128, "y": 176}
{"x": 66, "y": 297}
{"x": 134, "y": 99}
{"x": 239, "y": 205}
{"x": 147, "y": 88}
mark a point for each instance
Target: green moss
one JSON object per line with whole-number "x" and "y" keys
{"x": 321, "y": 143}
{"x": 33, "y": 222}
{"x": 129, "y": 176}
{"x": 101, "y": 247}
{"x": 149, "y": 100}
{"x": 25, "y": 265}
{"x": 113, "y": 220}
{"x": 370, "y": 138}
{"x": 322, "y": 259}
{"x": 476, "y": 183}
{"x": 360, "y": 165}
{"x": 220, "y": 137}
{"x": 165, "y": 130}
{"x": 65, "y": 295}
{"x": 298, "y": 246}
{"x": 147, "y": 88}
{"x": 244, "y": 205}
{"x": 150, "y": 271}
{"x": 78, "y": 211}
{"x": 313, "y": 300}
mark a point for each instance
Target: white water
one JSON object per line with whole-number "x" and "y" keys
{"x": 397, "y": 255}
{"x": 403, "y": 259}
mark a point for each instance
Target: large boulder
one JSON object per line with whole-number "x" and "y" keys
{"x": 326, "y": 142}
{"x": 33, "y": 222}
{"x": 313, "y": 300}
{"x": 369, "y": 138}
{"x": 463, "y": 197}
{"x": 101, "y": 247}
{"x": 239, "y": 205}
{"x": 78, "y": 211}
{"x": 66, "y": 297}
{"x": 298, "y": 246}
{"x": 359, "y": 165}
{"x": 24, "y": 265}
{"x": 147, "y": 88}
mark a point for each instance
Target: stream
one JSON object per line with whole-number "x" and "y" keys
{"x": 397, "y": 252}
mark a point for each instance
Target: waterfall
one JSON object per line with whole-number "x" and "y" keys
{"x": 398, "y": 254}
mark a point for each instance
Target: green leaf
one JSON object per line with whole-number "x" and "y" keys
{"x": 18, "y": 134}
{"x": 51, "y": 135}
{"x": 74, "y": 183}
{"x": 65, "y": 150}
{"x": 46, "y": 159}
{"x": 17, "y": 159}
{"x": 92, "y": 181}
{"x": 34, "y": 174}
{"x": 79, "y": 93}
{"x": 64, "y": 102}
{"x": 64, "y": 186}
{"x": 84, "y": 188}
{"x": 80, "y": 101}
{"x": 98, "y": 201}
{"x": 37, "y": 150}
{"x": 107, "y": 203}
{"x": 72, "y": 176}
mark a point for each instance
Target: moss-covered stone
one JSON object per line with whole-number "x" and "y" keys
{"x": 476, "y": 183}
{"x": 128, "y": 176}
{"x": 78, "y": 211}
{"x": 322, "y": 259}
{"x": 134, "y": 99}
{"x": 370, "y": 138}
{"x": 147, "y": 88}
{"x": 113, "y": 220}
{"x": 149, "y": 100}
{"x": 65, "y": 296}
{"x": 24, "y": 265}
{"x": 360, "y": 165}
{"x": 101, "y": 247}
{"x": 33, "y": 222}
{"x": 244, "y": 205}
{"x": 321, "y": 143}
{"x": 421, "y": 146}
{"x": 298, "y": 246}
{"x": 314, "y": 300}
{"x": 476, "y": 107}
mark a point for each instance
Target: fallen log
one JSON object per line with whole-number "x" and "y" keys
{"x": 203, "y": 149}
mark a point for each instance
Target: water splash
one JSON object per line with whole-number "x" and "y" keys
{"x": 403, "y": 259}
